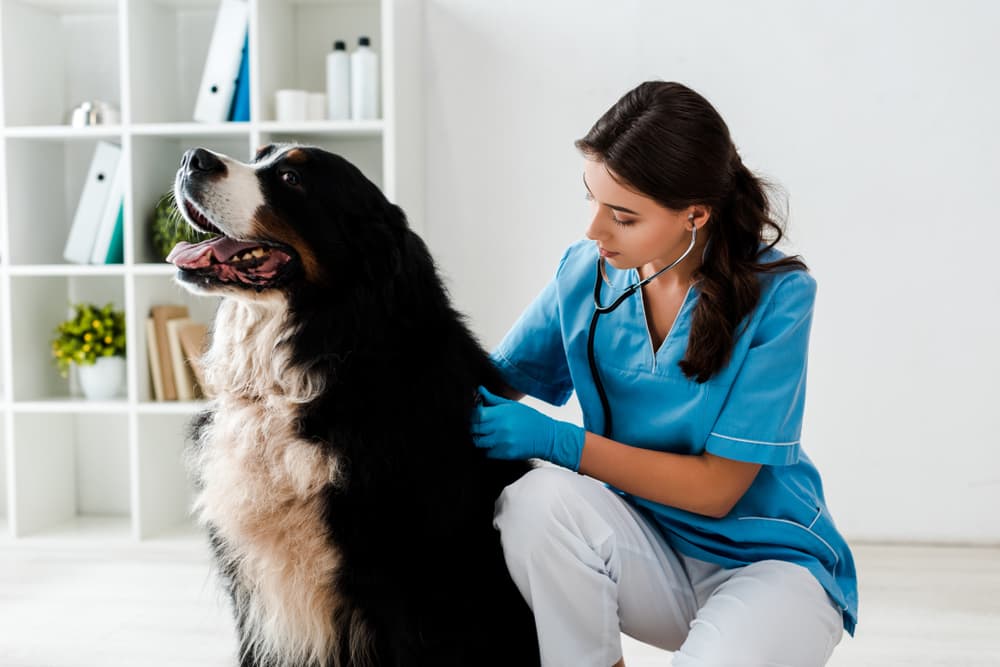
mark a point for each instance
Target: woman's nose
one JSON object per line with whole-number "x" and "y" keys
{"x": 596, "y": 230}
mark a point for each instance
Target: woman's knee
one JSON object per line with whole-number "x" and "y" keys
{"x": 769, "y": 612}
{"x": 527, "y": 510}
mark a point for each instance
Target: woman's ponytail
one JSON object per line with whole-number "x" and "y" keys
{"x": 729, "y": 287}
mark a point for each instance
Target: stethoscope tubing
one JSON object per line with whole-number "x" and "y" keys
{"x": 601, "y": 310}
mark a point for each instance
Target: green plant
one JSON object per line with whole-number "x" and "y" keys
{"x": 169, "y": 228}
{"x": 92, "y": 332}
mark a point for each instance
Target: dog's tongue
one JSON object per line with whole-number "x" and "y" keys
{"x": 199, "y": 255}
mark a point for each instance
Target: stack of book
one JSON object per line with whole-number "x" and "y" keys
{"x": 95, "y": 236}
{"x": 175, "y": 344}
{"x": 224, "y": 94}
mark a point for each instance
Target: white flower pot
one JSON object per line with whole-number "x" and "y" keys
{"x": 104, "y": 379}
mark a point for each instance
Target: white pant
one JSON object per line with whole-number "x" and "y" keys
{"x": 590, "y": 566}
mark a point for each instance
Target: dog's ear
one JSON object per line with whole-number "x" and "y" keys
{"x": 397, "y": 229}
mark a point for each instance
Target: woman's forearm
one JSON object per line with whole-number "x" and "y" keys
{"x": 703, "y": 484}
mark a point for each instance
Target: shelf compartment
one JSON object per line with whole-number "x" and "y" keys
{"x": 45, "y": 178}
{"x": 163, "y": 269}
{"x": 111, "y": 132}
{"x": 74, "y": 406}
{"x": 4, "y": 328}
{"x": 157, "y": 290}
{"x": 80, "y": 531}
{"x": 165, "y": 492}
{"x": 72, "y": 476}
{"x": 295, "y": 39}
{"x": 155, "y": 160}
{"x": 322, "y": 128}
{"x": 38, "y": 305}
{"x": 188, "y": 129}
{"x": 168, "y": 44}
{"x": 77, "y": 61}
{"x": 4, "y": 467}
{"x": 68, "y": 270}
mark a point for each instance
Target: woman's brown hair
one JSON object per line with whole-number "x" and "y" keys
{"x": 668, "y": 143}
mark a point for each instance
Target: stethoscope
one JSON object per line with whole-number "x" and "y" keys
{"x": 601, "y": 310}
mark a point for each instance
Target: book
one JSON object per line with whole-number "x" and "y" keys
{"x": 108, "y": 243}
{"x": 239, "y": 112}
{"x": 161, "y": 314}
{"x": 183, "y": 376}
{"x": 222, "y": 65}
{"x": 154, "y": 359}
{"x": 90, "y": 207}
{"x": 194, "y": 337}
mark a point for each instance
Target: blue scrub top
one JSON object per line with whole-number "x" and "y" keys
{"x": 750, "y": 411}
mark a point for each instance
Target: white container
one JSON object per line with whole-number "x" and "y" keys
{"x": 317, "y": 106}
{"x": 103, "y": 379}
{"x": 364, "y": 81}
{"x": 338, "y": 83}
{"x": 291, "y": 105}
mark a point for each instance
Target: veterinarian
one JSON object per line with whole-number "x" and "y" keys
{"x": 698, "y": 522}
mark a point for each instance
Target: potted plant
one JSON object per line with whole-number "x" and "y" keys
{"x": 168, "y": 228}
{"x": 94, "y": 340}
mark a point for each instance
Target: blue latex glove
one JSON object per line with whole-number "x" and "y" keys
{"x": 511, "y": 430}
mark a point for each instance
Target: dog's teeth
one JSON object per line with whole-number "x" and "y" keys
{"x": 256, "y": 253}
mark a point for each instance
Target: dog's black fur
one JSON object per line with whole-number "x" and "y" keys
{"x": 419, "y": 560}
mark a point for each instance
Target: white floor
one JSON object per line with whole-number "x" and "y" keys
{"x": 154, "y": 606}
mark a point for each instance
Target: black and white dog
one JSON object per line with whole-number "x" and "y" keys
{"x": 349, "y": 512}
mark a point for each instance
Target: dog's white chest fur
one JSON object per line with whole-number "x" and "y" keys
{"x": 262, "y": 485}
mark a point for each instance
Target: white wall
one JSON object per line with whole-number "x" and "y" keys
{"x": 880, "y": 121}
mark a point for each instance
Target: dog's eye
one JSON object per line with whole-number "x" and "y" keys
{"x": 290, "y": 178}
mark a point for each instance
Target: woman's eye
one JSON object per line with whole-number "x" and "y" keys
{"x": 290, "y": 177}
{"x": 623, "y": 223}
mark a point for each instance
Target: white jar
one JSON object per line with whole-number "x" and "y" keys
{"x": 317, "y": 106}
{"x": 364, "y": 81}
{"x": 291, "y": 105}
{"x": 338, "y": 83}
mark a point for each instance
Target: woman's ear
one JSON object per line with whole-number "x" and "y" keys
{"x": 697, "y": 215}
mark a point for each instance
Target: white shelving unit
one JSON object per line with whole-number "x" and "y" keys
{"x": 75, "y": 471}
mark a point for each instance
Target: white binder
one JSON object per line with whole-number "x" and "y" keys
{"x": 87, "y": 219}
{"x": 222, "y": 65}
{"x": 109, "y": 217}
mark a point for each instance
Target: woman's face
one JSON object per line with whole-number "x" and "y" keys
{"x": 632, "y": 230}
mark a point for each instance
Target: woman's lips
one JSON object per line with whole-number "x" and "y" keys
{"x": 606, "y": 253}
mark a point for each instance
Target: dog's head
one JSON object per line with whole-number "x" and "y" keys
{"x": 294, "y": 216}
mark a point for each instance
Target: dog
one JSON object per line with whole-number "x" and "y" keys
{"x": 349, "y": 512}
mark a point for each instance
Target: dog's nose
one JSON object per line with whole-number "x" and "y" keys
{"x": 199, "y": 161}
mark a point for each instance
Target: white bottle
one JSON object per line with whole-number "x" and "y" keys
{"x": 338, "y": 83}
{"x": 364, "y": 81}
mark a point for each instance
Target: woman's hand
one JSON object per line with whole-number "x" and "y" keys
{"x": 511, "y": 430}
